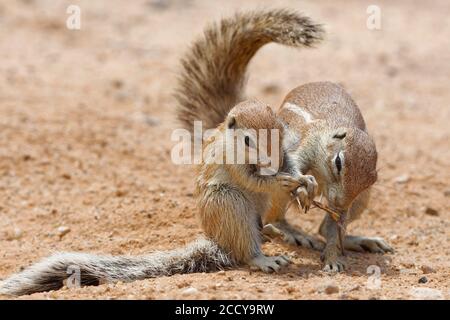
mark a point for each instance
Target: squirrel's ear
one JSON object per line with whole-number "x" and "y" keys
{"x": 231, "y": 122}
{"x": 340, "y": 133}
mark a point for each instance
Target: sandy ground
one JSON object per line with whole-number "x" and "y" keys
{"x": 86, "y": 118}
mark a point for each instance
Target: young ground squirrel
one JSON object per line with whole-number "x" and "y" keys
{"x": 232, "y": 198}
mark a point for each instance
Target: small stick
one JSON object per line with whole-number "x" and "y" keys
{"x": 335, "y": 216}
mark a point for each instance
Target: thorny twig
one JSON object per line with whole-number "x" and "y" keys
{"x": 333, "y": 214}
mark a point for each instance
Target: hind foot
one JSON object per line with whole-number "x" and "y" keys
{"x": 367, "y": 244}
{"x": 293, "y": 236}
{"x": 269, "y": 264}
{"x": 332, "y": 260}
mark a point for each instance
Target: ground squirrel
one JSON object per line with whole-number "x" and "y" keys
{"x": 334, "y": 146}
{"x": 232, "y": 198}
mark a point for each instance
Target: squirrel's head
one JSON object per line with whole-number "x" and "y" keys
{"x": 257, "y": 125}
{"x": 347, "y": 166}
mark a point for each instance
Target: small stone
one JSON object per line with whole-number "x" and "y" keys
{"x": 151, "y": 121}
{"x": 427, "y": 269}
{"x": 189, "y": 291}
{"x": 66, "y": 176}
{"x": 62, "y": 231}
{"x": 393, "y": 237}
{"x": 120, "y": 193}
{"x": 331, "y": 288}
{"x": 271, "y": 88}
{"x": 447, "y": 193}
{"x": 404, "y": 178}
{"x": 16, "y": 234}
{"x": 423, "y": 280}
{"x": 117, "y": 84}
{"x": 431, "y": 211}
{"x": 221, "y": 272}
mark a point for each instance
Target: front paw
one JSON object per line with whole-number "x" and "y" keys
{"x": 333, "y": 262}
{"x": 307, "y": 191}
{"x": 288, "y": 182}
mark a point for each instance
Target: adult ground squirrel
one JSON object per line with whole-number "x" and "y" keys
{"x": 232, "y": 198}
{"x": 334, "y": 146}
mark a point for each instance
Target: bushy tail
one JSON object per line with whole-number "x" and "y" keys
{"x": 85, "y": 269}
{"x": 213, "y": 73}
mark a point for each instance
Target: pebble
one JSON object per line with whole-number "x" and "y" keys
{"x": 16, "y": 234}
{"x": 393, "y": 237}
{"x": 189, "y": 291}
{"x": 447, "y": 193}
{"x": 427, "y": 269}
{"x": 62, "y": 231}
{"x": 404, "y": 178}
{"x": 271, "y": 88}
{"x": 423, "y": 280}
{"x": 431, "y": 211}
{"x": 330, "y": 289}
{"x": 121, "y": 193}
{"x": 151, "y": 121}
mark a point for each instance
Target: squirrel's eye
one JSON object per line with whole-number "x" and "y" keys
{"x": 247, "y": 141}
{"x": 338, "y": 163}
